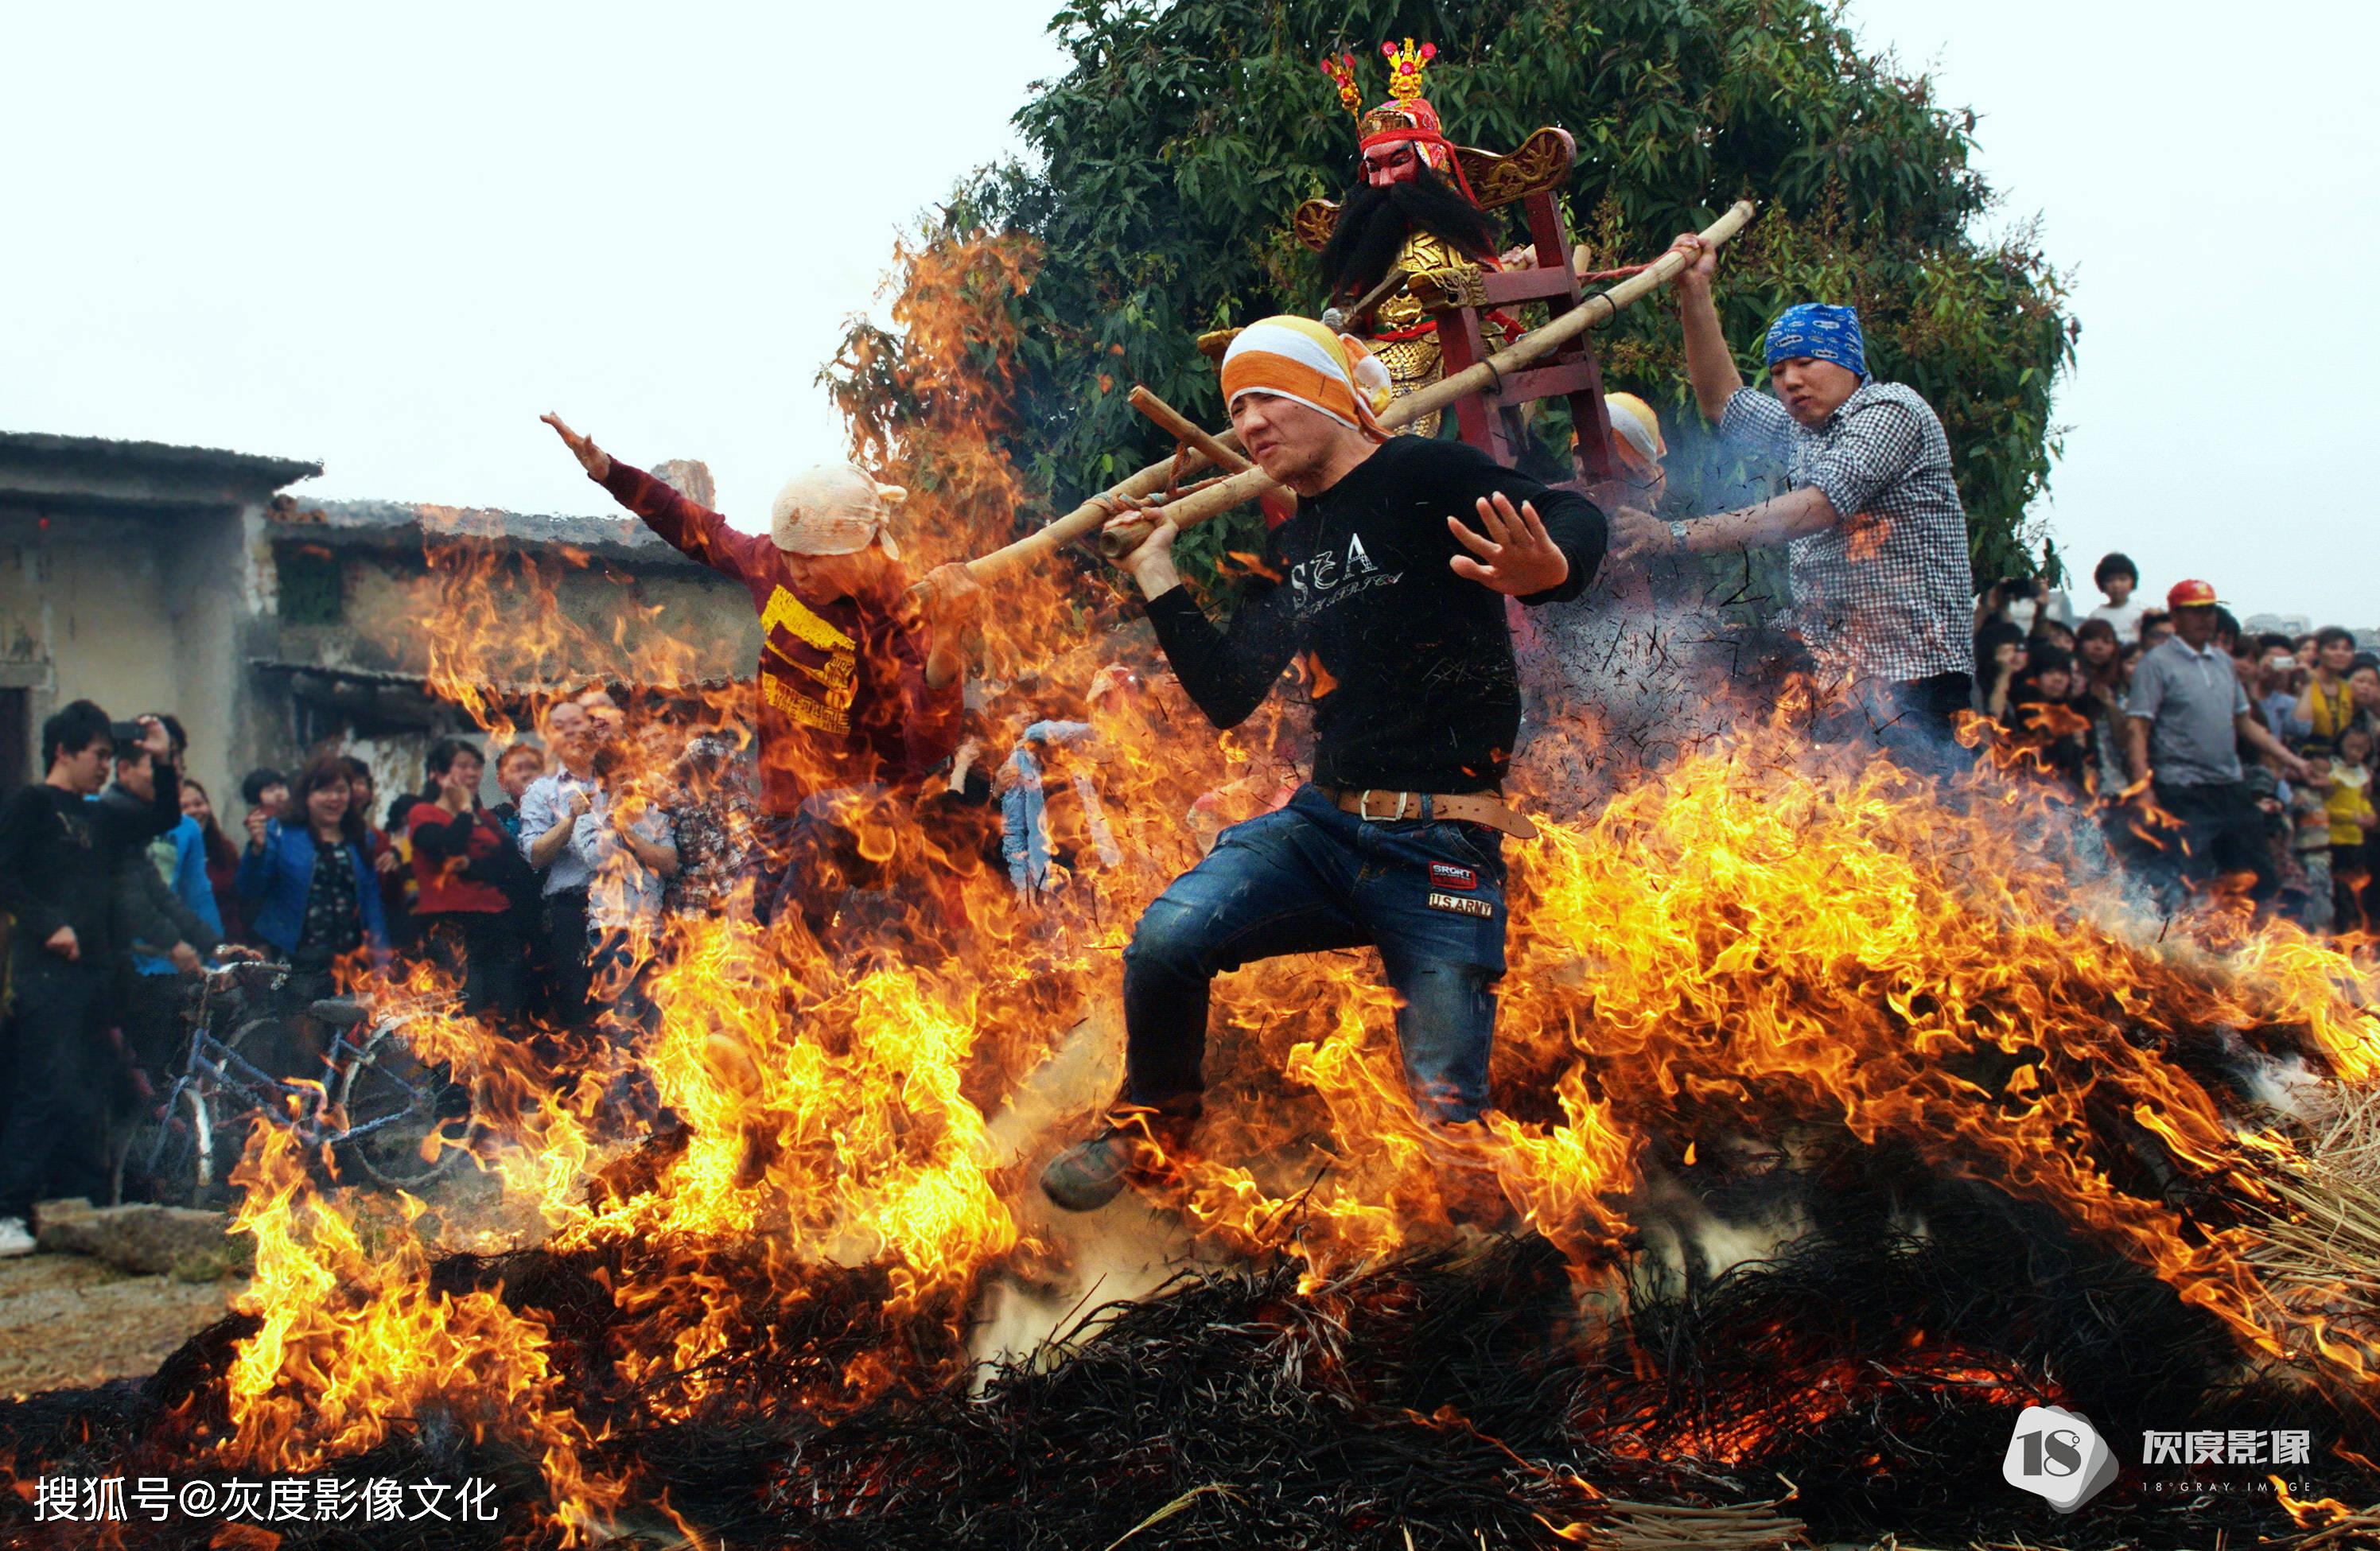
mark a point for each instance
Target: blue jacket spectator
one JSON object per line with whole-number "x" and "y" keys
{"x": 277, "y": 882}
{"x": 300, "y": 900}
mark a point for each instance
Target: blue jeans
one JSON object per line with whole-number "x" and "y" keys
{"x": 1911, "y": 721}
{"x": 1307, "y": 878}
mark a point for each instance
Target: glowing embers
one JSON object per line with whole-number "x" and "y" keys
{"x": 352, "y": 1348}
{"x": 1758, "y": 953}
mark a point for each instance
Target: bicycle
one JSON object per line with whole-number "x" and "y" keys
{"x": 376, "y": 1109}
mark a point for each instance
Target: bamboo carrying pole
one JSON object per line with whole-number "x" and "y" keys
{"x": 1246, "y": 486}
{"x": 1184, "y": 429}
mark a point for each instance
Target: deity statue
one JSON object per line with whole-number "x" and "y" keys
{"x": 1412, "y": 209}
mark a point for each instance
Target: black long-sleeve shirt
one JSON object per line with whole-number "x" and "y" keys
{"x": 1414, "y": 683}
{"x": 59, "y": 856}
{"x": 149, "y": 916}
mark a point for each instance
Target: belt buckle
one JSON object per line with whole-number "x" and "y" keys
{"x": 1364, "y": 806}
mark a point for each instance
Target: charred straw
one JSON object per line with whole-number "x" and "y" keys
{"x": 1457, "y": 1398}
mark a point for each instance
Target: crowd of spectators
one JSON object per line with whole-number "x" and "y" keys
{"x": 121, "y": 879}
{"x": 2210, "y": 753}
{"x": 2220, "y": 756}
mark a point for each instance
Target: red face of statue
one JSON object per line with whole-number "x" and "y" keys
{"x": 1393, "y": 161}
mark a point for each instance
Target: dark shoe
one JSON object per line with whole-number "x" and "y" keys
{"x": 1089, "y": 1174}
{"x": 1468, "y": 1190}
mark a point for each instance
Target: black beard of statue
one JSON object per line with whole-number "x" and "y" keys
{"x": 1374, "y": 222}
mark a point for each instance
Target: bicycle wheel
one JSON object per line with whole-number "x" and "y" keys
{"x": 169, "y": 1158}
{"x": 405, "y": 1120}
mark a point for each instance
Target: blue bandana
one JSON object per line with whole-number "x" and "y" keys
{"x": 1821, "y": 333}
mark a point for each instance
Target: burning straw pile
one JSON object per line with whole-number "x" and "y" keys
{"x": 1843, "y": 1124}
{"x": 1446, "y": 1400}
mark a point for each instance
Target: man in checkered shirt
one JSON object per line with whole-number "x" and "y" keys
{"x": 1876, "y": 536}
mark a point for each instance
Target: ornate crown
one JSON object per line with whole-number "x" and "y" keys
{"x": 1407, "y": 114}
{"x": 1405, "y": 66}
{"x": 1341, "y": 69}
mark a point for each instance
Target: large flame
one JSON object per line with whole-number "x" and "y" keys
{"x": 1751, "y": 940}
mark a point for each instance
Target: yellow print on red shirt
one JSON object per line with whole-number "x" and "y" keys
{"x": 831, "y": 711}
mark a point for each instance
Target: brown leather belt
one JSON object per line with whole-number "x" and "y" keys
{"x": 1468, "y": 807}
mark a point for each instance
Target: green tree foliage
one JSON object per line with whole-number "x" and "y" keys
{"x": 1174, "y": 149}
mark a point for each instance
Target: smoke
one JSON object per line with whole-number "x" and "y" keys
{"x": 1617, "y": 688}
{"x": 1125, "y": 1252}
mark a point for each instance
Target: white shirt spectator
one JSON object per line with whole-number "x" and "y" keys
{"x": 2125, "y": 617}
{"x": 542, "y": 807}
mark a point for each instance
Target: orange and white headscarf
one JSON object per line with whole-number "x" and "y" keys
{"x": 1297, "y": 358}
{"x": 1635, "y": 438}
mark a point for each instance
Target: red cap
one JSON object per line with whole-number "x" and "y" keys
{"x": 2191, "y": 595}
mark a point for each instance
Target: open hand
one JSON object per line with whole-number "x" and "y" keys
{"x": 1516, "y": 558}
{"x": 594, "y": 459}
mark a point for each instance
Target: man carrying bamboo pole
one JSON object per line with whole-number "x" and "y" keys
{"x": 1397, "y": 840}
{"x": 1876, "y": 533}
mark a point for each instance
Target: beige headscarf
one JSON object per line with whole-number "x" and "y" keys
{"x": 834, "y": 508}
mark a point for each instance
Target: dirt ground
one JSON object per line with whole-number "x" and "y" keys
{"x": 67, "y": 1321}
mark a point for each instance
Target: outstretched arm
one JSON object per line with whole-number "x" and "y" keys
{"x": 594, "y": 459}
{"x": 2253, "y": 733}
{"x": 1638, "y": 534}
{"x": 694, "y": 531}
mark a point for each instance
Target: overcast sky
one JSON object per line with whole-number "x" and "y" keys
{"x": 389, "y": 243}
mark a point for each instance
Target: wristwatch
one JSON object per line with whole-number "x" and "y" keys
{"x": 1677, "y": 536}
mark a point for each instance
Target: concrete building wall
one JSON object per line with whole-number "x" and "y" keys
{"x": 97, "y": 608}
{"x": 649, "y": 620}
{"x": 672, "y": 625}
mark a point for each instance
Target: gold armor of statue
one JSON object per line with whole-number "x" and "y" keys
{"x": 1404, "y": 335}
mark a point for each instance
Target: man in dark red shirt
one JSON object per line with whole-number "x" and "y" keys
{"x": 859, "y": 691}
